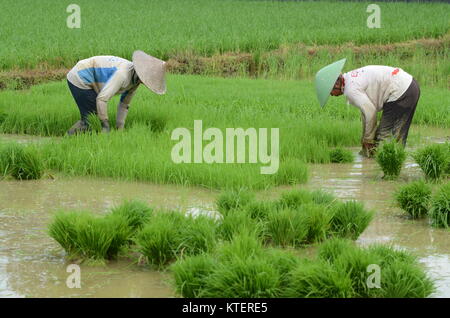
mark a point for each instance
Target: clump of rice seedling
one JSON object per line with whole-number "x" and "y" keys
{"x": 350, "y": 219}
{"x": 403, "y": 280}
{"x": 260, "y": 209}
{"x": 284, "y": 261}
{"x": 237, "y": 221}
{"x": 21, "y": 162}
{"x": 254, "y": 277}
{"x": 294, "y": 199}
{"x": 440, "y": 207}
{"x": 317, "y": 219}
{"x": 341, "y": 155}
{"x": 318, "y": 279}
{"x": 286, "y": 227}
{"x": 171, "y": 234}
{"x": 191, "y": 273}
{"x": 414, "y": 198}
{"x": 433, "y": 160}
{"x": 389, "y": 255}
{"x": 136, "y": 213}
{"x": 322, "y": 197}
{"x": 390, "y": 156}
{"x": 233, "y": 199}
{"x": 331, "y": 249}
{"x": 291, "y": 171}
{"x": 88, "y": 237}
{"x": 158, "y": 241}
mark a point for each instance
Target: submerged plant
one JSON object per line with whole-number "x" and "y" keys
{"x": 414, "y": 198}
{"x": 341, "y": 155}
{"x": 350, "y": 219}
{"x": 433, "y": 160}
{"x": 390, "y": 156}
{"x": 440, "y": 207}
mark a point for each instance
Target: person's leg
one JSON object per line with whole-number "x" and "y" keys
{"x": 397, "y": 115}
{"x": 86, "y": 100}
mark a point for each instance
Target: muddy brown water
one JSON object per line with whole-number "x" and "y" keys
{"x": 33, "y": 265}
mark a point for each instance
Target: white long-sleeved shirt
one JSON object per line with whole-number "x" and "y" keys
{"x": 107, "y": 76}
{"x": 369, "y": 87}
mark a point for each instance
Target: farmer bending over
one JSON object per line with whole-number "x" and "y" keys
{"x": 94, "y": 81}
{"x": 373, "y": 88}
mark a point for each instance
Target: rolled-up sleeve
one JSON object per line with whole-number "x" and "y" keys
{"x": 111, "y": 88}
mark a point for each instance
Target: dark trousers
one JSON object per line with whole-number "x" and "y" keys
{"x": 86, "y": 100}
{"x": 397, "y": 115}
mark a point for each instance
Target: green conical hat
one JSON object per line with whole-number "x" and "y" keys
{"x": 325, "y": 79}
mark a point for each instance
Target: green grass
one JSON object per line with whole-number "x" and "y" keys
{"x": 414, "y": 198}
{"x": 136, "y": 212}
{"x": 440, "y": 207}
{"x": 390, "y": 156}
{"x": 179, "y": 26}
{"x": 433, "y": 160}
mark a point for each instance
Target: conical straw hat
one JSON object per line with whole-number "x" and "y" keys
{"x": 151, "y": 71}
{"x": 325, "y": 79}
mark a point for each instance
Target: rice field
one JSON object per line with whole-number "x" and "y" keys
{"x": 222, "y": 227}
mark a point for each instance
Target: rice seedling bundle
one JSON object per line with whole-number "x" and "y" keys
{"x": 233, "y": 199}
{"x": 340, "y": 155}
{"x": 414, "y": 198}
{"x": 23, "y": 163}
{"x": 390, "y": 156}
{"x": 350, "y": 219}
{"x": 433, "y": 160}
{"x": 440, "y": 207}
{"x": 135, "y": 212}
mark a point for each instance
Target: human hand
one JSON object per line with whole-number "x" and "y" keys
{"x": 368, "y": 149}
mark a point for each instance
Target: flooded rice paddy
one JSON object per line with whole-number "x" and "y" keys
{"x": 33, "y": 265}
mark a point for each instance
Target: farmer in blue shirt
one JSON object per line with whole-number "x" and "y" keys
{"x": 94, "y": 81}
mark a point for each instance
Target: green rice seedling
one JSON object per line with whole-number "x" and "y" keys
{"x": 390, "y": 255}
{"x": 294, "y": 198}
{"x": 159, "y": 239}
{"x": 322, "y": 197}
{"x": 190, "y": 274}
{"x": 414, "y": 198}
{"x": 233, "y": 199}
{"x": 101, "y": 238}
{"x": 341, "y": 155}
{"x": 23, "y": 163}
{"x": 291, "y": 171}
{"x": 440, "y": 207}
{"x": 196, "y": 235}
{"x": 433, "y": 160}
{"x": 238, "y": 221}
{"x": 318, "y": 279}
{"x": 331, "y": 249}
{"x": 63, "y": 229}
{"x": 403, "y": 280}
{"x": 317, "y": 219}
{"x": 350, "y": 219}
{"x": 260, "y": 209}
{"x": 286, "y": 227}
{"x": 354, "y": 263}
{"x": 243, "y": 245}
{"x": 390, "y": 156}
{"x": 251, "y": 278}
{"x": 136, "y": 212}
{"x": 284, "y": 261}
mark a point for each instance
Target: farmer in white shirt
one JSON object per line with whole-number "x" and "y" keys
{"x": 94, "y": 81}
{"x": 374, "y": 88}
